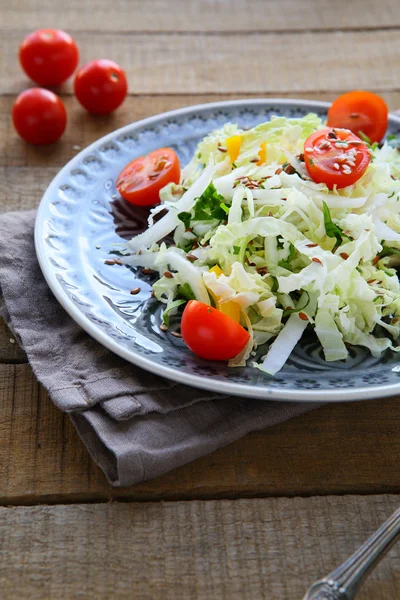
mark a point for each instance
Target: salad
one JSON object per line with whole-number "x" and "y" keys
{"x": 288, "y": 225}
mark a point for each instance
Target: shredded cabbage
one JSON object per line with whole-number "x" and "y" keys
{"x": 293, "y": 254}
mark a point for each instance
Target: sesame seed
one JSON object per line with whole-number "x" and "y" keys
{"x": 163, "y": 327}
{"x": 309, "y": 149}
{"x": 176, "y": 334}
{"x": 325, "y": 144}
{"x": 341, "y": 145}
{"x": 336, "y": 166}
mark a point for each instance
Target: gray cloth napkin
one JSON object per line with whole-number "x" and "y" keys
{"x": 135, "y": 425}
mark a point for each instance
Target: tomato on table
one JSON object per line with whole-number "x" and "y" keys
{"x": 39, "y": 116}
{"x": 142, "y": 179}
{"x": 359, "y": 111}
{"x": 49, "y": 56}
{"x": 335, "y": 157}
{"x": 101, "y": 86}
{"x": 210, "y": 333}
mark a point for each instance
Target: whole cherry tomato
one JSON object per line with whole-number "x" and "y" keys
{"x": 361, "y": 112}
{"x": 211, "y": 334}
{"x": 101, "y": 86}
{"x": 142, "y": 179}
{"x": 39, "y": 116}
{"x": 49, "y": 56}
{"x": 335, "y": 157}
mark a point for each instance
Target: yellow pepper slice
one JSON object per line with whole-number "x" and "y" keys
{"x": 231, "y": 309}
{"x": 233, "y": 144}
{"x": 262, "y": 155}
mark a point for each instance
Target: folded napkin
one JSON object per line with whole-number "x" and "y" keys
{"x": 135, "y": 425}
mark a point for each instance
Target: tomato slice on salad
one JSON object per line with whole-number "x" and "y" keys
{"x": 142, "y": 179}
{"x": 210, "y": 333}
{"x": 362, "y": 113}
{"x": 335, "y": 157}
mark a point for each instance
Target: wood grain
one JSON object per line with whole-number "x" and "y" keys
{"x": 234, "y": 63}
{"x": 268, "y": 549}
{"x": 343, "y": 448}
{"x": 10, "y": 351}
{"x": 205, "y": 15}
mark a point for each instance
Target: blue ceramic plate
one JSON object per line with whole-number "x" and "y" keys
{"x": 79, "y": 220}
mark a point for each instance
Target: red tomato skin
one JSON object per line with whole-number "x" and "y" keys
{"x": 319, "y": 164}
{"x": 49, "y": 56}
{"x": 360, "y": 111}
{"x": 101, "y": 86}
{"x": 210, "y": 333}
{"x": 146, "y": 193}
{"x": 39, "y": 116}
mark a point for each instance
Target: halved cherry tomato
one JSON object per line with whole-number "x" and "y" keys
{"x": 360, "y": 112}
{"x": 39, "y": 116}
{"x": 49, "y": 56}
{"x": 210, "y": 333}
{"x": 335, "y": 157}
{"x": 141, "y": 180}
{"x": 100, "y": 86}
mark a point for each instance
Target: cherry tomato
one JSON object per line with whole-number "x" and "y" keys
{"x": 360, "y": 112}
{"x": 39, "y": 116}
{"x": 210, "y": 333}
{"x": 142, "y": 179}
{"x": 335, "y": 157}
{"x": 49, "y": 56}
{"x": 100, "y": 86}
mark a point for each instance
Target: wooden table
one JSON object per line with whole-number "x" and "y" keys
{"x": 267, "y": 515}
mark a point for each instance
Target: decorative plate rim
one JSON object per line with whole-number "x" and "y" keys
{"x": 207, "y": 383}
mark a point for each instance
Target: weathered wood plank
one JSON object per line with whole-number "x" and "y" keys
{"x": 270, "y": 549}
{"x": 234, "y": 63}
{"x": 22, "y": 189}
{"x": 10, "y": 351}
{"x": 207, "y": 15}
{"x": 344, "y": 448}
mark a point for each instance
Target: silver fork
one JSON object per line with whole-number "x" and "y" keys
{"x": 344, "y": 582}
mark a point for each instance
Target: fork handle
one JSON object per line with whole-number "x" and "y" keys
{"x": 343, "y": 582}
